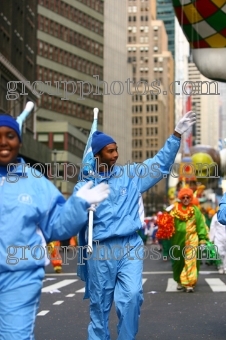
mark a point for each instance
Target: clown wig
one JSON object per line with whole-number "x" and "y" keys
{"x": 185, "y": 191}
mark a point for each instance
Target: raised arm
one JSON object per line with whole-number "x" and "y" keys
{"x": 154, "y": 169}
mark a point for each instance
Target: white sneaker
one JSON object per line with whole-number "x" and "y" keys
{"x": 221, "y": 271}
{"x": 189, "y": 290}
{"x": 179, "y": 287}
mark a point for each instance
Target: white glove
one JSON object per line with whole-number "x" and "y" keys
{"x": 94, "y": 195}
{"x": 186, "y": 122}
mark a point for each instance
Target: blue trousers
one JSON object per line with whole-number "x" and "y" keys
{"x": 19, "y": 300}
{"x": 116, "y": 276}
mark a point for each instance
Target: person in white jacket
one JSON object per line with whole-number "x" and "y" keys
{"x": 217, "y": 235}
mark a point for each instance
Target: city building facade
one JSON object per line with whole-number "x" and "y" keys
{"x": 67, "y": 144}
{"x": 153, "y": 72}
{"x": 117, "y": 74}
{"x": 18, "y": 71}
{"x": 205, "y": 101}
{"x": 69, "y": 61}
{"x": 165, "y": 12}
{"x": 74, "y": 77}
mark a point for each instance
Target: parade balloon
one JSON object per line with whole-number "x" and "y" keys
{"x": 202, "y": 162}
{"x": 207, "y": 162}
{"x": 204, "y": 25}
{"x": 207, "y": 149}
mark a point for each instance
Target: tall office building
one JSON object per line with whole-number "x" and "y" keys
{"x": 206, "y": 104}
{"x": 59, "y": 45}
{"x": 117, "y": 103}
{"x": 69, "y": 59}
{"x": 70, "y": 37}
{"x": 165, "y": 12}
{"x": 181, "y": 68}
{"x": 73, "y": 36}
{"x": 18, "y": 70}
{"x": 152, "y": 66}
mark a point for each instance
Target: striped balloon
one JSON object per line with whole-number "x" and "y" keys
{"x": 204, "y": 25}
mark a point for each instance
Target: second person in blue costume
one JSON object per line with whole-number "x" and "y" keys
{"x": 114, "y": 271}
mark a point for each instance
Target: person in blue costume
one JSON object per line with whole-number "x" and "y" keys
{"x": 220, "y": 221}
{"x": 113, "y": 272}
{"x": 33, "y": 212}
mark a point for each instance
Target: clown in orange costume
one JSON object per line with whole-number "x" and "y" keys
{"x": 190, "y": 232}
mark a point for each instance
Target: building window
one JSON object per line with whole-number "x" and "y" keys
{"x": 149, "y": 119}
{"x": 137, "y": 155}
{"x": 43, "y": 138}
{"x": 137, "y": 120}
{"x": 137, "y": 143}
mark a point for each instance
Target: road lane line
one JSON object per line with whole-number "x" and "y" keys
{"x": 217, "y": 285}
{"x": 83, "y": 289}
{"x": 153, "y": 273}
{"x": 170, "y": 272}
{"x": 171, "y": 286}
{"x": 145, "y": 273}
{"x": 80, "y": 290}
{"x": 57, "y": 285}
{"x": 43, "y": 312}
{"x": 58, "y": 302}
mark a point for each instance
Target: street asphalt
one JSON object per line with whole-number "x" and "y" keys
{"x": 166, "y": 313}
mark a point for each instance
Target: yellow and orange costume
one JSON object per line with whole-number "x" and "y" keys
{"x": 55, "y": 257}
{"x": 186, "y": 228}
{"x": 190, "y": 232}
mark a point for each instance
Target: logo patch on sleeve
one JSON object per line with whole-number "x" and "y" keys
{"x": 25, "y": 199}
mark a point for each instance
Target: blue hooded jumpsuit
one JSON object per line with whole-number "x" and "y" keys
{"x": 30, "y": 208}
{"x": 114, "y": 271}
{"x": 221, "y": 214}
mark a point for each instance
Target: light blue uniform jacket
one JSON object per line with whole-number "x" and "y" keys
{"x": 28, "y": 206}
{"x": 221, "y": 214}
{"x": 118, "y": 215}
